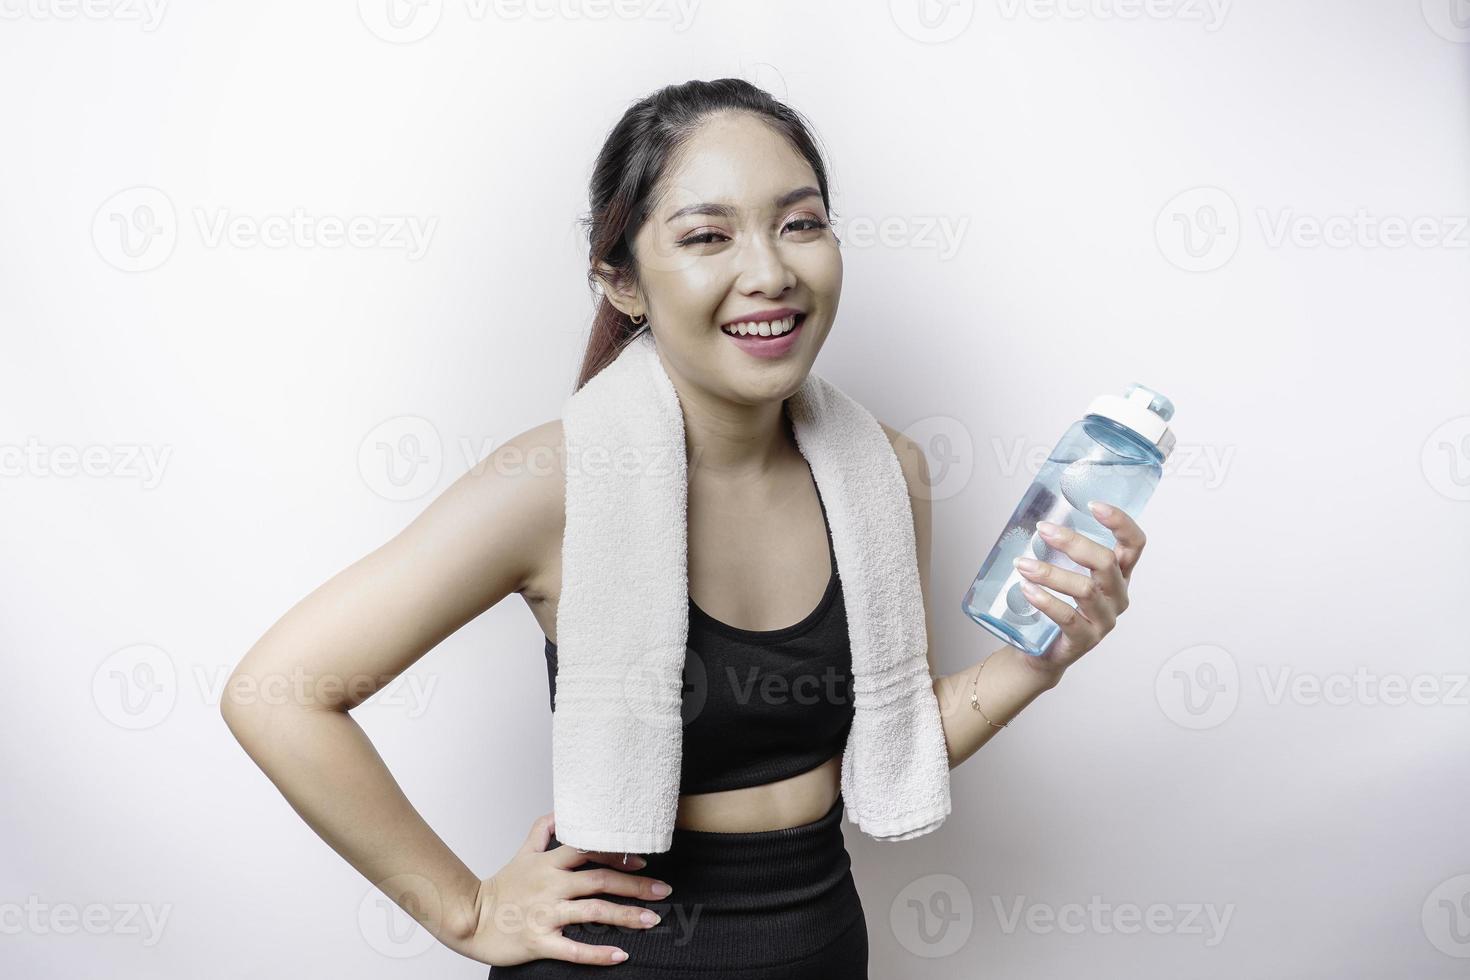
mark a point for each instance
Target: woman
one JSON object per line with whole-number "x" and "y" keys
{"x": 710, "y": 227}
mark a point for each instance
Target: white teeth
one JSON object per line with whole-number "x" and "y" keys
{"x": 766, "y": 328}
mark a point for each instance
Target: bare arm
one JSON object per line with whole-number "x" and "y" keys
{"x": 1010, "y": 681}
{"x": 479, "y": 541}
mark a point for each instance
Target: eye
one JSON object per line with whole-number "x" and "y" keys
{"x": 702, "y": 238}
{"x": 807, "y": 223}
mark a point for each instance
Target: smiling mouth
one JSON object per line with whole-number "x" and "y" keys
{"x": 766, "y": 330}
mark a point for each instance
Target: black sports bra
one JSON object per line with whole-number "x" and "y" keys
{"x": 761, "y": 705}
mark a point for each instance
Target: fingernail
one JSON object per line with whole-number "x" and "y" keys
{"x": 649, "y": 918}
{"x": 618, "y": 956}
{"x": 1047, "y": 528}
{"x": 660, "y": 889}
{"x": 1027, "y": 564}
{"x": 1031, "y": 589}
{"x": 1099, "y": 508}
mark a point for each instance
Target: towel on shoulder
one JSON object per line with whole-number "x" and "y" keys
{"x": 623, "y": 617}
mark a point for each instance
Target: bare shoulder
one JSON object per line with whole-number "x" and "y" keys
{"x": 524, "y": 479}
{"x": 916, "y": 472}
{"x": 911, "y": 458}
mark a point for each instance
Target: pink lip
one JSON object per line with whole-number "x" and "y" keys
{"x": 767, "y": 347}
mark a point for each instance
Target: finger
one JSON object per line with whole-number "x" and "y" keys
{"x": 570, "y": 857}
{"x": 606, "y": 881}
{"x": 601, "y": 910}
{"x": 558, "y": 947}
{"x": 540, "y": 834}
{"x": 1129, "y": 535}
{"x": 1087, "y": 553}
{"x": 1077, "y": 628}
{"x": 1099, "y": 607}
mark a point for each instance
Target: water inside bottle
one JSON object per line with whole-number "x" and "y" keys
{"x": 1111, "y": 471}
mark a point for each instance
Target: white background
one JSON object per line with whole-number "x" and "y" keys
{"x": 1133, "y": 188}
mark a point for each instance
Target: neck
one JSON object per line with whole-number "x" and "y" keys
{"x": 734, "y": 441}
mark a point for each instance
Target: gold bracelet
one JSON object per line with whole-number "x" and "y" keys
{"x": 974, "y": 698}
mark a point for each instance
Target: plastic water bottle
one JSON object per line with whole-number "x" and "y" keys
{"x": 1115, "y": 455}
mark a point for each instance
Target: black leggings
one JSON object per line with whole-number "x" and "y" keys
{"x": 761, "y": 905}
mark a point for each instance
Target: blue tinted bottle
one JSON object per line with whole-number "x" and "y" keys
{"x": 1114, "y": 454}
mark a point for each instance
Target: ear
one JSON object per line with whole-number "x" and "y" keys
{"x": 620, "y": 293}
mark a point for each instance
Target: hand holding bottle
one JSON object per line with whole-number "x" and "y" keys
{"x": 1075, "y": 532}
{"x": 1101, "y": 595}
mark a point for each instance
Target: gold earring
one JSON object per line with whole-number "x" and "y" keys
{"x": 638, "y": 320}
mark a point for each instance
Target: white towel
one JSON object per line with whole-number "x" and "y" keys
{"x": 623, "y": 619}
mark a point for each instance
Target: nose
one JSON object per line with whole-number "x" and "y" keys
{"x": 762, "y": 269}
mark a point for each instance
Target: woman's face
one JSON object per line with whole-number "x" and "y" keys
{"x": 739, "y": 229}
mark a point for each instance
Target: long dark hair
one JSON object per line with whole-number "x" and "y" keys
{"x": 629, "y": 167}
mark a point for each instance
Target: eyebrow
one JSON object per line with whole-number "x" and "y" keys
{"x": 726, "y": 211}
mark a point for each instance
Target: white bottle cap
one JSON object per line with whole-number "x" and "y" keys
{"x": 1141, "y": 409}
